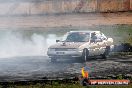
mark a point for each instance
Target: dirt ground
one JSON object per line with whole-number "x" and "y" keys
{"x": 39, "y": 67}
{"x": 82, "y": 19}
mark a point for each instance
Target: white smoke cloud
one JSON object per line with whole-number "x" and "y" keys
{"x": 13, "y": 44}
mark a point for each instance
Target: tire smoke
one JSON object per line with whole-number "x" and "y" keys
{"x": 14, "y": 44}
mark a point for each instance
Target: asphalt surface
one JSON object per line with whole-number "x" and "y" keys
{"x": 39, "y": 67}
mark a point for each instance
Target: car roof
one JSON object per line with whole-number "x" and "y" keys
{"x": 86, "y": 31}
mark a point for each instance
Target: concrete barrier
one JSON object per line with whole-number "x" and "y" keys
{"x": 130, "y": 4}
{"x": 114, "y": 5}
{"x": 64, "y": 6}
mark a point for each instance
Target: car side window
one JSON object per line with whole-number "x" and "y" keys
{"x": 103, "y": 37}
{"x": 99, "y": 37}
{"x": 93, "y": 37}
{"x": 96, "y": 37}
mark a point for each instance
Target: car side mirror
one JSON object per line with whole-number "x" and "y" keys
{"x": 57, "y": 40}
{"x": 98, "y": 40}
{"x": 92, "y": 40}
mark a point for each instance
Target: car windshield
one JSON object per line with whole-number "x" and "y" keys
{"x": 77, "y": 37}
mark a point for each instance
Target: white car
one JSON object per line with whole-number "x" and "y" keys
{"x": 81, "y": 44}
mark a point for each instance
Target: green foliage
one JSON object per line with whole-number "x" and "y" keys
{"x": 119, "y": 76}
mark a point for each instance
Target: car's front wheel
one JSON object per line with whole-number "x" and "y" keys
{"x": 85, "y": 54}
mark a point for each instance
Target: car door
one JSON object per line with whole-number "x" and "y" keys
{"x": 98, "y": 44}
{"x": 101, "y": 43}
{"x": 94, "y": 47}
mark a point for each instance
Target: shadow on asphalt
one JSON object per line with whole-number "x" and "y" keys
{"x": 70, "y": 61}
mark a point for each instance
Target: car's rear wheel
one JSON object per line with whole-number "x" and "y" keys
{"x": 53, "y": 59}
{"x": 106, "y": 53}
{"x": 85, "y": 54}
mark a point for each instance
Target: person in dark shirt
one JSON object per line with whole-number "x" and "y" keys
{"x": 93, "y": 37}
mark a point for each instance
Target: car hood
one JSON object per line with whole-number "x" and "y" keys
{"x": 67, "y": 45}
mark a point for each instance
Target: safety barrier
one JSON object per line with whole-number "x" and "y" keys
{"x": 63, "y": 6}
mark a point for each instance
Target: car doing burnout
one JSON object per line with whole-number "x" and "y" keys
{"x": 81, "y": 44}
